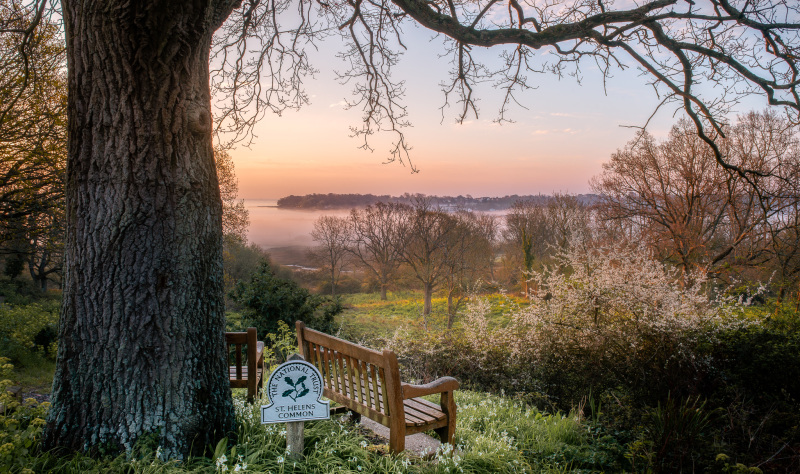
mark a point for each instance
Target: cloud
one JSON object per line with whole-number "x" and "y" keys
{"x": 563, "y": 131}
{"x": 341, "y": 103}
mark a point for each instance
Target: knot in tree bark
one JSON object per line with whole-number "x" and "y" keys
{"x": 199, "y": 119}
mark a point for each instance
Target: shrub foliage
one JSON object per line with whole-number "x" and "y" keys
{"x": 268, "y": 299}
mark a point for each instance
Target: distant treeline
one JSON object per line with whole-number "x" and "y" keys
{"x": 346, "y": 201}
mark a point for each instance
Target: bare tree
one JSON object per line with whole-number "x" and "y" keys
{"x": 468, "y": 258}
{"x": 427, "y": 235}
{"x": 694, "y": 213}
{"x": 567, "y": 219}
{"x": 526, "y": 235}
{"x": 30, "y": 55}
{"x": 376, "y": 240}
{"x": 32, "y": 141}
{"x": 784, "y": 247}
{"x": 332, "y": 235}
{"x": 45, "y": 241}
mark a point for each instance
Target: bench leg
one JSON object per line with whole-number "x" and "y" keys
{"x": 397, "y": 436}
{"x": 355, "y": 416}
{"x": 448, "y": 405}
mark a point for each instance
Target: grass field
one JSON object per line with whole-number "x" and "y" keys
{"x": 366, "y": 317}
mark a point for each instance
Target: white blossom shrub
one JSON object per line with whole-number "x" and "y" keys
{"x": 598, "y": 318}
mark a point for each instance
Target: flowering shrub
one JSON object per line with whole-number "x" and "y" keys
{"x": 599, "y": 318}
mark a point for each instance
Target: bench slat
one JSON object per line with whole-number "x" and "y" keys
{"x": 375, "y": 398}
{"x": 355, "y": 395}
{"x": 339, "y": 374}
{"x": 422, "y": 411}
{"x": 356, "y": 380}
{"x": 421, "y": 405}
{"x": 412, "y": 419}
{"x": 369, "y": 392}
{"x": 325, "y": 364}
{"x": 370, "y": 385}
{"x": 430, "y": 405}
{"x": 361, "y": 353}
{"x": 365, "y": 381}
{"x": 386, "y": 404}
{"x": 317, "y": 356}
{"x": 420, "y": 417}
{"x": 411, "y": 429}
{"x": 356, "y": 407}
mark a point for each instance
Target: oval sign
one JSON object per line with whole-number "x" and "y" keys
{"x": 295, "y": 394}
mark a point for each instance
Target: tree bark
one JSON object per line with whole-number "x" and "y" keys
{"x": 141, "y": 335}
{"x": 333, "y": 279}
{"x": 451, "y": 312}
{"x": 428, "y": 297}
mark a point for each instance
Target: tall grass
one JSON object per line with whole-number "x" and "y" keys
{"x": 494, "y": 434}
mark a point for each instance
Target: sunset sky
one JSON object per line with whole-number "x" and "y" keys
{"x": 557, "y": 144}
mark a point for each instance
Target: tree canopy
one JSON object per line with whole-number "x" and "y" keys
{"x": 703, "y": 56}
{"x": 33, "y": 103}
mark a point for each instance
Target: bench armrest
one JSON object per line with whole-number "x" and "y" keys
{"x": 442, "y": 384}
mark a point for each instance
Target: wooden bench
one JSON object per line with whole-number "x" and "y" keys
{"x": 250, "y": 374}
{"x": 367, "y": 382}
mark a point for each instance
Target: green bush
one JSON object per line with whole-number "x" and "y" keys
{"x": 756, "y": 380}
{"x": 29, "y": 328}
{"x": 19, "y": 291}
{"x": 268, "y": 299}
{"x": 676, "y": 435}
{"x": 20, "y": 425}
{"x": 764, "y": 360}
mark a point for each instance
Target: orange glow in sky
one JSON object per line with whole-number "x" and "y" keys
{"x": 557, "y": 144}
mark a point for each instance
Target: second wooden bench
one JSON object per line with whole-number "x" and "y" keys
{"x": 249, "y": 373}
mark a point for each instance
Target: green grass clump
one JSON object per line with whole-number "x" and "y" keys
{"x": 496, "y": 434}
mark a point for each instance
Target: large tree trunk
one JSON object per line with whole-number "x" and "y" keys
{"x": 141, "y": 336}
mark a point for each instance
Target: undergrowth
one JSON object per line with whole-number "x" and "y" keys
{"x": 495, "y": 434}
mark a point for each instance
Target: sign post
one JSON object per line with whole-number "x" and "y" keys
{"x": 295, "y": 396}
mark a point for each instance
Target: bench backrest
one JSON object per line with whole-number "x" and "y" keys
{"x": 362, "y": 379}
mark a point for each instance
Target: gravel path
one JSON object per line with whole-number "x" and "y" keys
{"x": 419, "y": 443}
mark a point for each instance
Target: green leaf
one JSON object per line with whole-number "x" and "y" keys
{"x": 289, "y": 381}
{"x": 300, "y": 380}
{"x": 287, "y": 393}
{"x": 303, "y": 393}
{"x": 222, "y": 446}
